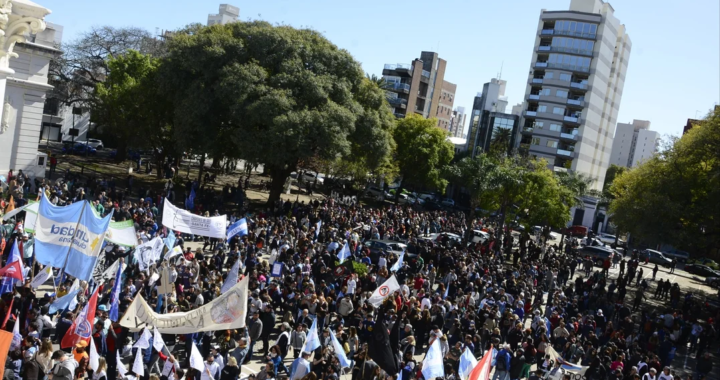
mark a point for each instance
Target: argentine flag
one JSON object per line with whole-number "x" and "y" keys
{"x": 317, "y": 228}
{"x": 398, "y": 264}
{"x": 240, "y": 227}
{"x": 87, "y": 243}
{"x": 313, "y": 340}
{"x": 54, "y": 231}
{"x": 344, "y": 253}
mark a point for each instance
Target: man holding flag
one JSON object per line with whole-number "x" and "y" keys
{"x": 238, "y": 228}
{"x": 82, "y": 327}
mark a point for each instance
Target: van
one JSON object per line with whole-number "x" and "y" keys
{"x": 679, "y": 256}
{"x": 578, "y": 231}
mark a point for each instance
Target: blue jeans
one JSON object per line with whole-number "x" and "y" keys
{"x": 500, "y": 375}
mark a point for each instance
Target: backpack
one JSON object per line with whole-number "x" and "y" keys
{"x": 500, "y": 361}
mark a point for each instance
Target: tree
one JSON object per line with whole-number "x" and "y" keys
{"x": 131, "y": 107}
{"x": 475, "y": 176}
{"x": 422, "y": 152}
{"x": 673, "y": 197}
{"x": 273, "y": 95}
{"x": 546, "y": 198}
{"x": 500, "y": 144}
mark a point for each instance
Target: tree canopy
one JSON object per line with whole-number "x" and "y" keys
{"x": 422, "y": 152}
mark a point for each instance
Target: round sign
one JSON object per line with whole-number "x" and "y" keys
{"x": 84, "y": 329}
{"x": 384, "y": 290}
{"x": 339, "y": 271}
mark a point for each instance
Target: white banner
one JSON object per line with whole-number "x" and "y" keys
{"x": 31, "y": 214}
{"x": 149, "y": 253}
{"x": 226, "y": 312}
{"x": 122, "y": 233}
{"x": 388, "y": 287}
{"x": 189, "y": 223}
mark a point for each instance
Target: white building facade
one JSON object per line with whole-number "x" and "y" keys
{"x": 634, "y": 143}
{"x": 226, "y": 14}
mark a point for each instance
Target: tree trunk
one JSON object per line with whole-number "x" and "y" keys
{"x": 215, "y": 163}
{"x": 202, "y": 167}
{"x": 121, "y": 152}
{"x": 159, "y": 161}
{"x": 397, "y": 192}
{"x": 277, "y": 182}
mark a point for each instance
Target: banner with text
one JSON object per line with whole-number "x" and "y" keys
{"x": 189, "y": 223}
{"x": 122, "y": 233}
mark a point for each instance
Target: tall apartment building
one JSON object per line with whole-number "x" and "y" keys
{"x": 634, "y": 143}
{"x": 488, "y": 118}
{"x": 226, "y": 14}
{"x": 575, "y": 85}
{"x": 420, "y": 88}
{"x": 457, "y": 122}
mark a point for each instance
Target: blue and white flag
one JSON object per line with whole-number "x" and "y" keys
{"x": 115, "y": 296}
{"x": 8, "y": 283}
{"x": 548, "y": 326}
{"x": 17, "y": 338}
{"x": 232, "y": 277}
{"x": 339, "y": 351}
{"x": 54, "y": 232}
{"x": 447, "y": 291}
{"x": 190, "y": 201}
{"x": 344, "y": 253}
{"x": 433, "y": 363}
{"x": 63, "y": 302}
{"x": 467, "y": 363}
{"x": 317, "y": 228}
{"x": 564, "y": 364}
{"x": 332, "y": 246}
{"x": 399, "y": 263}
{"x": 238, "y": 228}
{"x": 87, "y": 244}
{"x": 170, "y": 240}
{"x": 313, "y": 340}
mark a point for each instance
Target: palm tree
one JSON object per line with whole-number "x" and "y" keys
{"x": 378, "y": 81}
{"x": 500, "y": 141}
{"x": 579, "y": 186}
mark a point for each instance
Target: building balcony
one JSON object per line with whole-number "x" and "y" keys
{"x": 420, "y": 95}
{"x": 572, "y": 119}
{"x": 536, "y": 80}
{"x": 574, "y": 34}
{"x": 426, "y": 74}
{"x": 541, "y": 64}
{"x": 531, "y": 113}
{"x": 398, "y": 87}
{"x": 576, "y": 102}
{"x": 568, "y": 136}
{"x": 544, "y": 48}
{"x": 566, "y": 153}
{"x": 534, "y": 96}
{"x": 560, "y": 169}
{"x": 582, "y": 86}
{"x": 559, "y": 49}
{"x": 397, "y": 68}
{"x": 527, "y": 130}
{"x": 547, "y": 32}
{"x": 561, "y": 66}
{"x": 398, "y": 102}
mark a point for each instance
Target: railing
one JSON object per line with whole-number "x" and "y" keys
{"x": 569, "y": 67}
{"x": 534, "y": 96}
{"x": 397, "y": 101}
{"x": 560, "y": 169}
{"x": 397, "y": 86}
{"x": 564, "y": 152}
{"x": 537, "y": 80}
{"x": 578, "y": 85}
{"x": 571, "y": 50}
{"x": 577, "y": 102}
{"x": 397, "y": 66}
{"x": 568, "y": 136}
{"x": 530, "y": 113}
{"x": 541, "y": 64}
{"x": 573, "y": 33}
{"x": 547, "y": 31}
{"x": 399, "y": 115}
{"x": 544, "y": 48}
{"x": 528, "y": 129}
{"x": 573, "y": 119}
{"x": 426, "y": 74}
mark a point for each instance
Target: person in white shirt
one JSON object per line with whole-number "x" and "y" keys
{"x": 665, "y": 374}
{"x": 382, "y": 261}
{"x": 351, "y": 284}
{"x": 211, "y": 369}
{"x": 650, "y": 375}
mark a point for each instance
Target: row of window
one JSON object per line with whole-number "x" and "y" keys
{"x": 558, "y": 93}
{"x": 569, "y": 60}
{"x": 576, "y": 27}
{"x": 555, "y": 110}
{"x": 563, "y": 76}
{"x": 553, "y": 126}
{"x": 503, "y": 123}
{"x": 573, "y": 44}
{"x": 549, "y": 144}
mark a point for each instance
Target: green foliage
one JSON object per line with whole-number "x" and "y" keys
{"x": 673, "y": 197}
{"x": 422, "y": 152}
{"x": 475, "y": 176}
{"x": 500, "y": 144}
{"x": 359, "y": 268}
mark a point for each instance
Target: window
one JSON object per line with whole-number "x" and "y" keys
{"x": 548, "y": 75}
{"x": 561, "y": 94}
{"x": 535, "y": 141}
{"x": 539, "y": 124}
{"x": 565, "y": 77}
{"x": 545, "y": 92}
{"x": 555, "y": 127}
{"x": 552, "y": 144}
{"x": 542, "y": 109}
{"x": 559, "y": 111}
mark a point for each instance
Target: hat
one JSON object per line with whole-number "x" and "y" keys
{"x": 81, "y": 344}
{"x": 102, "y": 308}
{"x": 599, "y": 312}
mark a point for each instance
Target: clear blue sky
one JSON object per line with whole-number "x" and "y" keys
{"x": 673, "y": 73}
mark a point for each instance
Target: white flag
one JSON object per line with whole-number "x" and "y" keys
{"x": 17, "y": 338}
{"x": 138, "y": 366}
{"x": 196, "y": 359}
{"x": 144, "y": 341}
{"x": 42, "y": 277}
{"x": 317, "y": 228}
{"x": 398, "y": 264}
{"x": 467, "y": 363}
{"x": 167, "y": 368}
{"x": 120, "y": 366}
{"x": 339, "y": 351}
{"x": 158, "y": 342}
{"x": 388, "y": 287}
{"x": 232, "y": 277}
{"x": 344, "y": 253}
{"x": 433, "y": 363}
{"x": 94, "y": 357}
{"x": 313, "y": 340}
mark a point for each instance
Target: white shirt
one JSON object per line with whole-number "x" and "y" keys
{"x": 351, "y": 284}
{"x": 382, "y": 262}
{"x": 663, "y": 376}
{"x": 648, "y": 376}
{"x": 213, "y": 368}
{"x": 425, "y": 303}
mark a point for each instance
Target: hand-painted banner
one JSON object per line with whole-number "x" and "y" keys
{"x": 226, "y": 312}
{"x": 184, "y": 221}
{"x": 122, "y": 233}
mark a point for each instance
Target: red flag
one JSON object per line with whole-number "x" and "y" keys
{"x": 6, "y": 339}
{"x": 482, "y": 369}
{"x": 12, "y": 270}
{"x": 82, "y": 327}
{"x": 7, "y": 315}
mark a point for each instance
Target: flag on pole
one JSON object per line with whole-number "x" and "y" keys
{"x": 12, "y": 270}
{"x": 344, "y": 253}
{"x": 238, "y": 228}
{"x": 115, "y": 296}
{"x": 64, "y": 302}
{"x": 388, "y": 287}
{"x": 82, "y": 327}
{"x": 42, "y": 277}
{"x": 190, "y": 202}
{"x": 481, "y": 371}
{"x": 467, "y": 363}
{"x": 232, "y": 277}
{"x": 566, "y": 365}
{"x": 94, "y": 357}
{"x": 313, "y": 340}
{"x": 339, "y": 351}
{"x": 196, "y": 359}
{"x": 144, "y": 340}
{"x": 17, "y": 338}
{"x": 317, "y": 228}
{"x": 433, "y": 363}
{"x": 158, "y": 342}
{"x": 399, "y": 263}
{"x": 9, "y": 282}
{"x": 120, "y": 366}
{"x": 138, "y": 366}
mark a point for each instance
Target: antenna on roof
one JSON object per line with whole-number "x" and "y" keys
{"x": 501, "y": 68}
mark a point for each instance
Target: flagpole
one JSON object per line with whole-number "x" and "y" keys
{"x": 32, "y": 268}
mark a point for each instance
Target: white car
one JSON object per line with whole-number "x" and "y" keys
{"x": 95, "y": 143}
{"x": 447, "y": 202}
{"x": 426, "y": 196}
{"x": 413, "y": 199}
{"x": 374, "y": 191}
{"x": 609, "y": 239}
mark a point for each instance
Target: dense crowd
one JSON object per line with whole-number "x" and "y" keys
{"x": 518, "y": 295}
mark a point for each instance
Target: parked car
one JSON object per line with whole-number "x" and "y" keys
{"x": 578, "y": 231}
{"x": 713, "y": 281}
{"x": 701, "y": 270}
{"x": 81, "y": 148}
{"x": 427, "y": 196}
{"x": 597, "y": 253}
{"x": 95, "y": 143}
{"x": 680, "y": 256}
{"x": 378, "y": 246}
{"x": 610, "y": 239}
{"x": 705, "y": 261}
{"x": 447, "y": 202}
{"x": 480, "y": 236}
{"x": 655, "y": 257}
{"x": 374, "y": 191}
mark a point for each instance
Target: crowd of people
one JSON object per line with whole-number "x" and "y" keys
{"x": 517, "y": 295}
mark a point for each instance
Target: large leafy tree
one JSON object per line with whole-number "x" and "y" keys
{"x": 475, "y": 176}
{"x": 132, "y": 108}
{"x": 422, "y": 152}
{"x": 273, "y": 95}
{"x": 673, "y": 197}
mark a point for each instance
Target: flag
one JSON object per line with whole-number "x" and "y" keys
{"x": 571, "y": 367}
{"x": 170, "y": 240}
{"x": 5, "y": 341}
{"x": 190, "y": 204}
{"x": 398, "y": 264}
{"x": 9, "y": 282}
{"x": 82, "y": 327}
{"x": 138, "y": 368}
{"x": 447, "y": 291}
{"x": 433, "y": 362}
{"x": 158, "y": 342}
{"x": 379, "y": 346}
{"x": 238, "y": 228}
{"x": 55, "y": 229}
{"x": 196, "y": 359}
{"x": 388, "y": 287}
{"x": 467, "y": 363}
{"x": 339, "y": 351}
{"x": 120, "y": 366}
{"x": 64, "y": 302}
{"x": 115, "y": 296}
{"x": 94, "y": 357}
{"x": 42, "y": 277}
{"x": 7, "y": 315}
{"x": 344, "y": 252}
{"x": 481, "y": 371}
{"x": 232, "y": 277}
{"x": 548, "y": 326}
{"x": 176, "y": 251}
{"x": 12, "y": 270}
{"x": 313, "y": 340}
{"x": 17, "y": 338}
{"x": 317, "y": 228}
{"x": 144, "y": 340}
{"x": 87, "y": 243}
